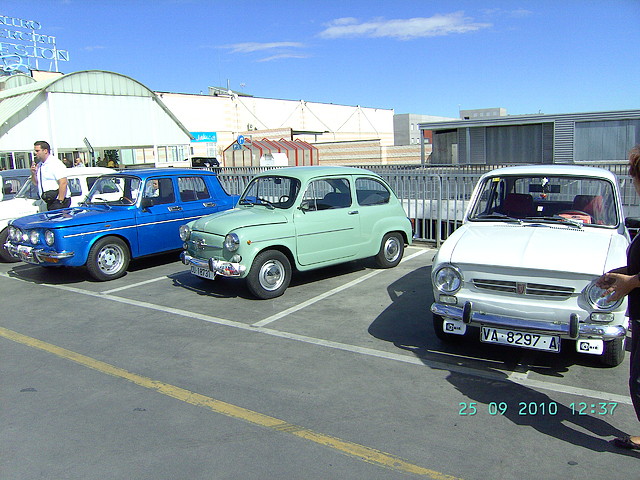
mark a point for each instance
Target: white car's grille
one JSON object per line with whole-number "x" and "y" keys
{"x": 522, "y": 288}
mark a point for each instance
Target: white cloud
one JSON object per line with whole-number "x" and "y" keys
{"x": 403, "y": 29}
{"x": 249, "y": 47}
{"x": 283, "y": 56}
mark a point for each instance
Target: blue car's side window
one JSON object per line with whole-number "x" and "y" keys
{"x": 192, "y": 189}
{"x": 160, "y": 190}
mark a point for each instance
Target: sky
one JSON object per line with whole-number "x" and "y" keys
{"x": 429, "y": 57}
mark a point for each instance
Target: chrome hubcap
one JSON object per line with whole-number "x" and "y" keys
{"x": 272, "y": 275}
{"x": 391, "y": 249}
{"x": 110, "y": 259}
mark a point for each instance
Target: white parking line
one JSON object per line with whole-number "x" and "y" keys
{"x": 133, "y": 285}
{"x": 495, "y": 375}
{"x": 324, "y": 295}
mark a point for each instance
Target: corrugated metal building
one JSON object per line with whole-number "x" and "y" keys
{"x": 560, "y": 138}
{"x": 113, "y": 112}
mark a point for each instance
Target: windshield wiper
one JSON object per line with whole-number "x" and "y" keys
{"x": 495, "y": 216}
{"x": 555, "y": 219}
{"x": 257, "y": 201}
{"x": 266, "y": 202}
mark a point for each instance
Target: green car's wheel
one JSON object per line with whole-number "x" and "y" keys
{"x": 270, "y": 274}
{"x": 391, "y": 250}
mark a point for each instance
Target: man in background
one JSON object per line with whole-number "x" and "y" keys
{"x": 50, "y": 176}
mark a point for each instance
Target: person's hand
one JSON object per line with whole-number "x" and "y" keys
{"x": 618, "y": 285}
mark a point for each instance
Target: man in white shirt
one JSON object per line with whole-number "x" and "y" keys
{"x": 50, "y": 175}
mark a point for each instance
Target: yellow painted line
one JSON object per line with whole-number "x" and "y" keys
{"x": 367, "y": 454}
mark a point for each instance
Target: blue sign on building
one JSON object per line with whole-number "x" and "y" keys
{"x": 211, "y": 137}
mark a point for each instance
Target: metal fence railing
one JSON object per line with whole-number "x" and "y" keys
{"x": 435, "y": 198}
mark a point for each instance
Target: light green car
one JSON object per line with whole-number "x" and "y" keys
{"x": 302, "y": 218}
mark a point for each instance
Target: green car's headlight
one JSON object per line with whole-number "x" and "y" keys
{"x": 231, "y": 242}
{"x": 185, "y": 233}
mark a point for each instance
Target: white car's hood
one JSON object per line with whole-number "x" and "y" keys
{"x": 18, "y": 207}
{"x": 538, "y": 247}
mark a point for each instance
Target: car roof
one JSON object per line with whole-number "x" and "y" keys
{"x": 307, "y": 172}
{"x": 562, "y": 170}
{"x": 86, "y": 171}
{"x": 167, "y": 172}
{"x": 16, "y": 172}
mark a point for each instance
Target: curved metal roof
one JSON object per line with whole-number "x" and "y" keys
{"x": 12, "y": 81}
{"x": 95, "y": 82}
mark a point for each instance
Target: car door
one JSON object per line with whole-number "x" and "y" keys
{"x": 327, "y": 225}
{"x": 197, "y": 198}
{"x": 159, "y": 217}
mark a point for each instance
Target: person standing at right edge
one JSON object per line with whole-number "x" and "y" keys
{"x": 50, "y": 175}
{"x": 625, "y": 281}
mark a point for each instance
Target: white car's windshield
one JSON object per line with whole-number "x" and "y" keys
{"x": 568, "y": 199}
{"x": 28, "y": 190}
{"x": 115, "y": 190}
{"x": 272, "y": 192}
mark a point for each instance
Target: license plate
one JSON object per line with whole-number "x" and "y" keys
{"x": 203, "y": 272}
{"x": 26, "y": 254}
{"x": 549, "y": 343}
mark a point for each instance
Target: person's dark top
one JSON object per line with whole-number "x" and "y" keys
{"x": 633, "y": 268}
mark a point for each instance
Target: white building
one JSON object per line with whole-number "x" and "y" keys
{"x": 111, "y": 114}
{"x": 97, "y": 115}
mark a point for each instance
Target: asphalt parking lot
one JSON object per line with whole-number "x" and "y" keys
{"x": 162, "y": 375}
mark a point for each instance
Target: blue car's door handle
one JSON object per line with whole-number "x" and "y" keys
{"x": 175, "y": 209}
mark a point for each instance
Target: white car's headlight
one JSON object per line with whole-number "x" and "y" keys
{"x": 231, "y": 242}
{"x": 185, "y": 233}
{"x": 49, "y": 237}
{"x": 593, "y": 295}
{"x": 34, "y": 237}
{"x": 447, "y": 279}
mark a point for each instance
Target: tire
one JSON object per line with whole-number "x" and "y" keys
{"x": 438, "y": 322}
{"x": 614, "y": 351}
{"x": 270, "y": 274}
{"x": 391, "y": 250}
{"x": 108, "y": 259}
{"x": 5, "y": 256}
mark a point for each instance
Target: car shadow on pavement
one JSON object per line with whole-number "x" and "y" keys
{"x": 61, "y": 275}
{"x": 480, "y": 372}
{"x": 50, "y": 275}
{"x": 223, "y": 287}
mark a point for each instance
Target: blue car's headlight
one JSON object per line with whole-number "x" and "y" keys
{"x": 49, "y": 237}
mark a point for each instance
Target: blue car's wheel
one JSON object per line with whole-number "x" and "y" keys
{"x": 108, "y": 259}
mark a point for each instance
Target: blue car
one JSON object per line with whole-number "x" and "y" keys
{"x": 126, "y": 215}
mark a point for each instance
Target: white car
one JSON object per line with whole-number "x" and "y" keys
{"x": 520, "y": 271}
{"x": 27, "y": 201}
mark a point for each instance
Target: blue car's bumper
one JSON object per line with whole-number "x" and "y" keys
{"x": 38, "y": 256}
